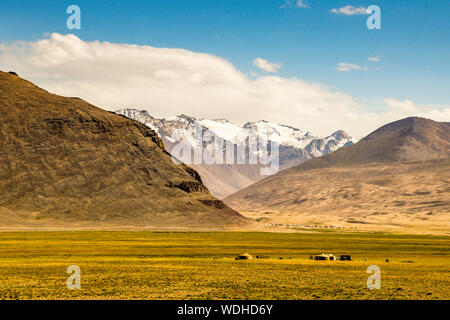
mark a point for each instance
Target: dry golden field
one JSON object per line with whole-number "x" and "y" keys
{"x": 161, "y": 265}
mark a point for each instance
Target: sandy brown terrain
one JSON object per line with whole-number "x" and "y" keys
{"x": 390, "y": 196}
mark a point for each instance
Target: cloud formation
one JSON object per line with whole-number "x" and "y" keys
{"x": 343, "y": 67}
{"x": 169, "y": 82}
{"x": 349, "y": 10}
{"x": 301, "y": 4}
{"x": 293, "y": 3}
{"x": 407, "y": 107}
{"x": 266, "y": 65}
{"x": 373, "y": 59}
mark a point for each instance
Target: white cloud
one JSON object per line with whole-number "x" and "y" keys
{"x": 402, "y": 108}
{"x": 343, "y": 66}
{"x": 266, "y": 65}
{"x": 301, "y": 4}
{"x": 373, "y": 59}
{"x": 349, "y": 10}
{"x": 294, "y": 3}
{"x": 173, "y": 81}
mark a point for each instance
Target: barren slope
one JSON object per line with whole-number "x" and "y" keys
{"x": 64, "y": 160}
{"x": 389, "y": 179}
{"x": 410, "y": 139}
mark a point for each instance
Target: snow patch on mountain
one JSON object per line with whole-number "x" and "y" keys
{"x": 296, "y": 145}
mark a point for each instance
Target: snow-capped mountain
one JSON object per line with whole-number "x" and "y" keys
{"x": 295, "y": 145}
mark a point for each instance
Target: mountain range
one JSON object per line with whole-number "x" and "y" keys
{"x": 295, "y": 146}
{"x": 65, "y": 163}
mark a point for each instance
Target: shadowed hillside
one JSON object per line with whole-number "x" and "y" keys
{"x": 64, "y": 160}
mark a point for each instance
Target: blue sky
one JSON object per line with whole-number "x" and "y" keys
{"x": 413, "y": 45}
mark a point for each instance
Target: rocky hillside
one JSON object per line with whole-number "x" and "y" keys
{"x": 64, "y": 160}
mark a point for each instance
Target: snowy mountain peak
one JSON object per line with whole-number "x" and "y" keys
{"x": 340, "y": 135}
{"x": 186, "y": 117}
{"x": 307, "y": 145}
{"x": 295, "y": 145}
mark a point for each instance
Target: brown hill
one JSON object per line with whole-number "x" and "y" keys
{"x": 398, "y": 176}
{"x": 63, "y": 160}
{"x": 410, "y": 139}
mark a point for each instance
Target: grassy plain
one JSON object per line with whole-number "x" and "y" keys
{"x": 162, "y": 265}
